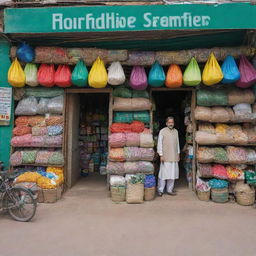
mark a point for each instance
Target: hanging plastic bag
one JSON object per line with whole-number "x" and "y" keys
{"x": 116, "y": 74}
{"x": 16, "y": 75}
{"x": 212, "y": 73}
{"x": 192, "y": 74}
{"x": 174, "y": 77}
{"x": 80, "y": 74}
{"x": 138, "y": 78}
{"x": 25, "y": 53}
{"x": 46, "y": 74}
{"x": 98, "y": 77}
{"x": 248, "y": 73}
{"x": 62, "y": 77}
{"x": 230, "y": 70}
{"x": 156, "y": 76}
{"x": 31, "y": 74}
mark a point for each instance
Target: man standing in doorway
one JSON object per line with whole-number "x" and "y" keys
{"x": 168, "y": 149}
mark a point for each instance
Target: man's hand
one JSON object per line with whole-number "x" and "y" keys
{"x": 161, "y": 159}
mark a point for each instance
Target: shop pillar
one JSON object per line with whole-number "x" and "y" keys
{"x": 5, "y": 130}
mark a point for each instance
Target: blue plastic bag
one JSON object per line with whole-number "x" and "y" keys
{"x": 80, "y": 75}
{"x": 230, "y": 70}
{"x": 25, "y": 53}
{"x": 150, "y": 181}
{"x": 156, "y": 75}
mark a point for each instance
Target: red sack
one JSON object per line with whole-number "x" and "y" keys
{"x": 45, "y": 75}
{"x": 219, "y": 171}
{"x": 21, "y": 130}
{"x": 120, "y": 127}
{"x": 137, "y": 126}
{"x": 248, "y": 73}
{"x": 62, "y": 76}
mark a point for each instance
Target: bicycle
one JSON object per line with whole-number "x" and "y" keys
{"x": 19, "y": 201}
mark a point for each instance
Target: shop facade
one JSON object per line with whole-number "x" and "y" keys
{"x": 174, "y": 33}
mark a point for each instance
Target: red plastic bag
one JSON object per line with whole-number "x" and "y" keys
{"x": 45, "y": 75}
{"x": 138, "y": 78}
{"x": 137, "y": 126}
{"x": 248, "y": 73}
{"x": 120, "y": 127}
{"x": 173, "y": 77}
{"x": 62, "y": 76}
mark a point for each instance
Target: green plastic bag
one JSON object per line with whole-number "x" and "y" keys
{"x": 192, "y": 74}
{"x": 122, "y": 92}
{"x": 123, "y": 117}
{"x": 140, "y": 94}
{"x": 80, "y": 74}
{"x": 208, "y": 98}
{"x": 142, "y": 116}
{"x": 31, "y": 74}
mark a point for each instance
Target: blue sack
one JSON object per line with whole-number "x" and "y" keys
{"x": 218, "y": 184}
{"x": 150, "y": 181}
{"x": 230, "y": 70}
{"x": 80, "y": 75}
{"x": 156, "y": 76}
{"x": 25, "y": 53}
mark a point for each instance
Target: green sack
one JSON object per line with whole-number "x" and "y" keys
{"x": 142, "y": 116}
{"x": 56, "y": 159}
{"x": 29, "y": 157}
{"x": 192, "y": 74}
{"x": 31, "y": 74}
{"x": 140, "y": 94}
{"x": 40, "y": 92}
{"x": 122, "y": 92}
{"x": 208, "y": 98}
{"x": 80, "y": 74}
{"x": 250, "y": 177}
{"x": 123, "y": 117}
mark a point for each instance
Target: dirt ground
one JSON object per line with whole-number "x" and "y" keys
{"x": 86, "y": 222}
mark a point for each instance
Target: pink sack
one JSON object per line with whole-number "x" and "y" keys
{"x": 117, "y": 140}
{"x": 138, "y": 78}
{"x": 248, "y": 73}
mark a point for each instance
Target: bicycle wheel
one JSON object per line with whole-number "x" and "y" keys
{"x": 20, "y": 204}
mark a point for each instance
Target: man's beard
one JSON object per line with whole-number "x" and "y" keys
{"x": 170, "y": 127}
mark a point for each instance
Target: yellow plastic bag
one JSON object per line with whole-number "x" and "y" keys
{"x": 98, "y": 76}
{"x": 56, "y": 170}
{"x": 46, "y": 183}
{"x": 28, "y": 177}
{"x": 16, "y": 75}
{"x": 212, "y": 73}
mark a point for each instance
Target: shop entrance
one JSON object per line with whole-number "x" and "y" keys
{"x": 175, "y": 103}
{"x": 87, "y": 126}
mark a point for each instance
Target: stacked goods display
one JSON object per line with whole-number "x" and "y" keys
{"x": 38, "y": 133}
{"x": 131, "y": 142}
{"x": 93, "y": 142}
{"x": 226, "y": 138}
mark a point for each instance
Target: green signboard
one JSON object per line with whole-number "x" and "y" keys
{"x": 130, "y": 18}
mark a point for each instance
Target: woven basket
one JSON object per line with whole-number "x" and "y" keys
{"x": 118, "y": 193}
{"x": 219, "y": 195}
{"x": 134, "y": 193}
{"x": 245, "y": 198}
{"x": 149, "y": 193}
{"x": 40, "y": 196}
{"x": 204, "y": 196}
{"x": 59, "y": 192}
{"x": 50, "y": 195}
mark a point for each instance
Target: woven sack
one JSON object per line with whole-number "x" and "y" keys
{"x": 203, "y": 195}
{"x": 203, "y": 114}
{"x": 219, "y": 195}
{"x": 146, "y": 140}
{"x": 237, "y": 96}
{"x": 149, "y": 193}
{"x": 50, "y": 195}
{"x": 134, "y": 193}
{"x": 117, "y": 193}
{"x": 205, "y": 138}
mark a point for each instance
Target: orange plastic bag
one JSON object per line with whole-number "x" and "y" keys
{"x": 173, "y": 77}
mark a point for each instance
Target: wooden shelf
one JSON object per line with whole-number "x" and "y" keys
{"x": 225, "y": 145}
{"x": 37, "y": 147}
{"x": 40, "y": 165}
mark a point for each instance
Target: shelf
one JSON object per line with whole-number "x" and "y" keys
{"x": 30, "y": 147}
{"x": 39, "y": 165}
{"x": 225, "y": 163}
{"x": 235, "y": 145}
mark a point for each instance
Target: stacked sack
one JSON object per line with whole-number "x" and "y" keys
{"x": 38, "y": 124}
{"x": 131, "y": 144}
{"x": 47, "y": 184}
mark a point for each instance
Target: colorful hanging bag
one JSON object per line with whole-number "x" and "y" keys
{"x": 62, "y": 76}
{"x": 98, "y": 76}
{"x": 138, "y": 78}
{"x": 31, "y": 74}
{"x": 80, "y": 75}
{"x": 230, "y": 70}
{"x": 248, "y": 73}
{"x": 25, "y": 53}
{"x": 174, "y": 76}
{"x": 192, "y": 74}
{"x": 16, "y": 75}
{"x": 156, "y": 76}
{"x": 212, "y": 73}
{"x": 116, "y": 74}
{"x": 45, "y": 75}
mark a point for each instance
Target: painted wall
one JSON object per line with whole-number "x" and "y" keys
{"x": 5, "y": 131}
